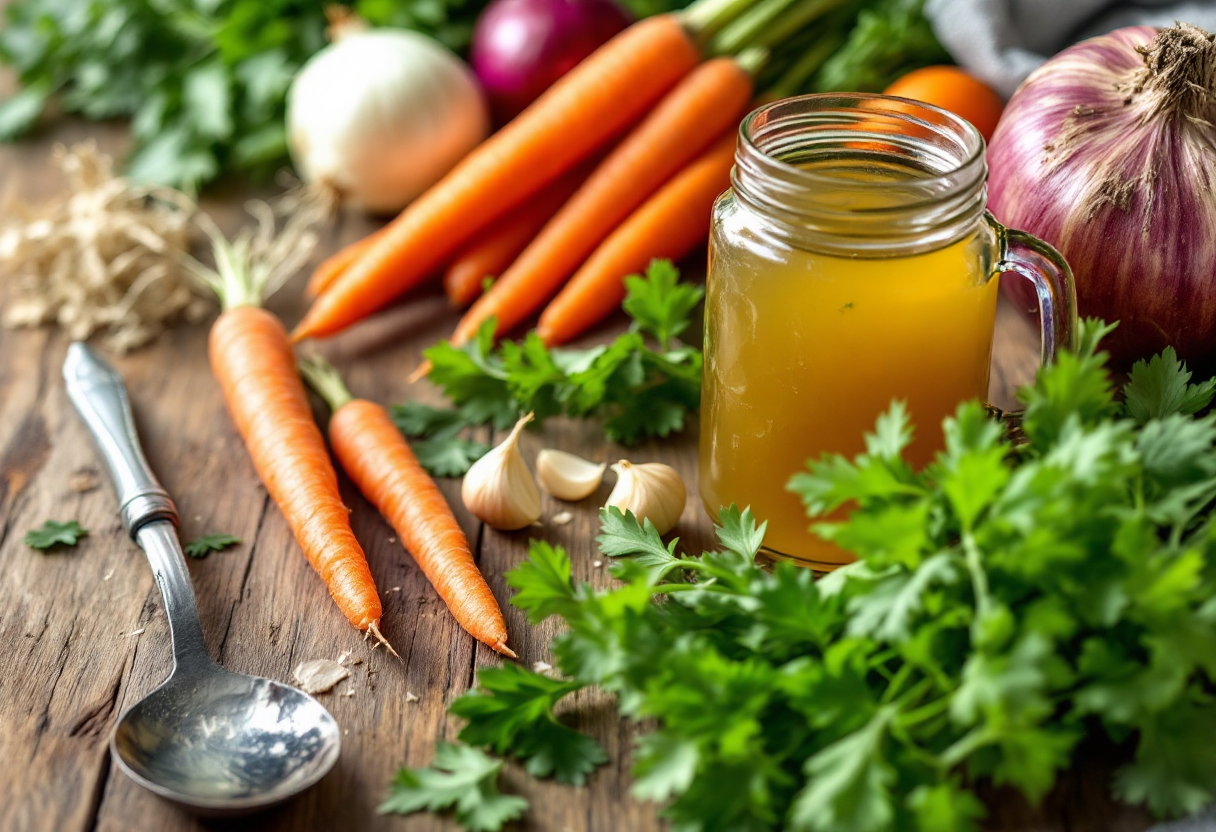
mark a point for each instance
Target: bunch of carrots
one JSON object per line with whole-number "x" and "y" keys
{"x": 255, "y": 364}
{"x": 618, "y": 163}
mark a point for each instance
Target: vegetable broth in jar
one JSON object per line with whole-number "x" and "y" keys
{"x": 851, "y": 265}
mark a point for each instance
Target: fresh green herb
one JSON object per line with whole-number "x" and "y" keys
{"x": 1007, "y": 602}
{"x": 437, "y": 445}
{"x": 460, "y": 778}
{"x": 53, "y": 533}
{"x": 204, "y": 83}
{"x": 637, "y": 391}
{"x": 202, "y": 546}
{"x": 890, "y": 39}
{"x": 512, "y": 712}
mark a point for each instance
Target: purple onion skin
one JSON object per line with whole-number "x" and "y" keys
{"x": 1081, "y": 160}
{"x": 521, "y": 47}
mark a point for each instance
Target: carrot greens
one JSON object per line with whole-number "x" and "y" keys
{"x": 1013, "y": 602}
{"x": 638, "y": 391}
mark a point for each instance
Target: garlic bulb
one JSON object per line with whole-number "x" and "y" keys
{"x": 499, "y": 489}
{"x": 651, "y": 491}
{"x": 381, "y": 115}
{"x": 566, "y": 476}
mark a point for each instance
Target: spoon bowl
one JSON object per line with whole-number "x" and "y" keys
{"x": 221, "y": 743}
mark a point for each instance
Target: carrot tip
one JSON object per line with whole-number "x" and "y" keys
{"x": 374, "y": 629}
{"x": 502, "y": 647}
{"x": 423, "y": 369}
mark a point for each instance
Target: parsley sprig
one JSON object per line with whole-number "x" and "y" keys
{"x": 1007, "y": 603}
{"x": 462, "y": 779}
{"x": 637, "y": 390}
{"x": 52, "y": 533}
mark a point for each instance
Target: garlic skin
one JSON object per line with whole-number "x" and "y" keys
{"x": 499, "y": 488}
{"x": 651, "y": 491}
{"x": 381, "y": 115}
{"x": 566, "y": 476}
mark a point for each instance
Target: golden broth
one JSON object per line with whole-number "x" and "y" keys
{"x": 804, "y": 350}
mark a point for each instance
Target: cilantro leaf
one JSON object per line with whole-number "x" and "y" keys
{"x": 1159, "y": 387}
{"x": 462, "y": 779}
{"x": 448, "y": 457}
{"x": 53, "y": 533}
{"x": 202, "y": 546}
{"x": 660, "y": 304}
{"x": 512, "y": 712}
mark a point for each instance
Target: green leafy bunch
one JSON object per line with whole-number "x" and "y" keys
{"x": 889, "y": 39}
{"x": 1008, "y": 601}
{"x": 641, "y": 385}
{"x": 204, "y": 82}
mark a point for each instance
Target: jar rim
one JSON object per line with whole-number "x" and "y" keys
{"x": 966, "y": 131}
{"x": 930, "y": 172}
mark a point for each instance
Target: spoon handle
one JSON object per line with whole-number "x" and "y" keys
{"x": 148, "y": 514}
{"x": 100, "y": 397}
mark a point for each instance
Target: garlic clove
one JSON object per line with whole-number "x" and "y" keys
{"x": 652, "y": 491}
{"x": 499, "y": 488}
{"x": 566, "y": 476}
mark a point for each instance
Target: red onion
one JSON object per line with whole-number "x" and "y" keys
{"x": 1108, "y": 152}
{"x": 520, "y": 47}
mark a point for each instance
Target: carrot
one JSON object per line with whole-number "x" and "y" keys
{"x": 707, "y": 103}
{"x": 253, "y": 361}
{"x": 504, "y": 240}
{"x": 378, "y": 459}
{"x": 668, "y": 225}
{"x": 587, "y": 107}
{"x": 331, "y": 267}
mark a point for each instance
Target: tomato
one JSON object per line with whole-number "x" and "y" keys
{"x": 953, "y": 89}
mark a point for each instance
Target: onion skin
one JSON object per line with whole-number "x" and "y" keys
{"x": 1103, "y": 154}
{"x": 521, "y": 47}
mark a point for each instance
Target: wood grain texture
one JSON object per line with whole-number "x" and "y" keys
{"x": 68, "y": 667}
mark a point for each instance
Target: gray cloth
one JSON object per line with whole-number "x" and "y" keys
{"x": 1002, "y": 41}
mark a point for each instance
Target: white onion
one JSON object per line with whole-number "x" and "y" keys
{"x": 1108, "y": 152}
{"x": 381, "y": 115}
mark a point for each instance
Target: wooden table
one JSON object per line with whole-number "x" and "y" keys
{"x": 71, "y": 659}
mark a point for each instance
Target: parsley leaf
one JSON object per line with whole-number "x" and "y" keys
{"x": 460, "y": 778}
{"x": 1159, "y": 387}
{"x": 659, "y": 304}
{"x": 512, "y": 712}
{"x": 637, "y": 392}
{"x": 202, "y": 546}
{"x": 448, "y": 457}
{"x": 53, "y": 533}
{"x": 621, "y": 534}
{"x": 437, "y": 444}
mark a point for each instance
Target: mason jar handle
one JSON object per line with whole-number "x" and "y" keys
{"x": 1044, "y": 267}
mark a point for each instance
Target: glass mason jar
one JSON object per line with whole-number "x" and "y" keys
{"x": 852, "y": 263}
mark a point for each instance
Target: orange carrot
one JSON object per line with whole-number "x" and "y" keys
{"x": 668, "y": 225}
{"x": 590, "y": 105}
{"x": 505, "y": 239}
{"x": 377, "y": 458}
{"x": 707, "y": 103}
{"x": 253, "y": 361}
{"x": 252, "y": 358}
{"x": 331, "y": 267}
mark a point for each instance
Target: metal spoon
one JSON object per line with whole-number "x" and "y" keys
{"x": 215, "y": 742}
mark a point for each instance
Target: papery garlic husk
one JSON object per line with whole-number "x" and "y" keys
{"x": 652, "y": 491}
{"x": 566, "y": 476}
{"x": 499, "y": 488}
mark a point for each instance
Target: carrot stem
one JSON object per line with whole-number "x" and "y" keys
{"x": 325, "y": 380}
